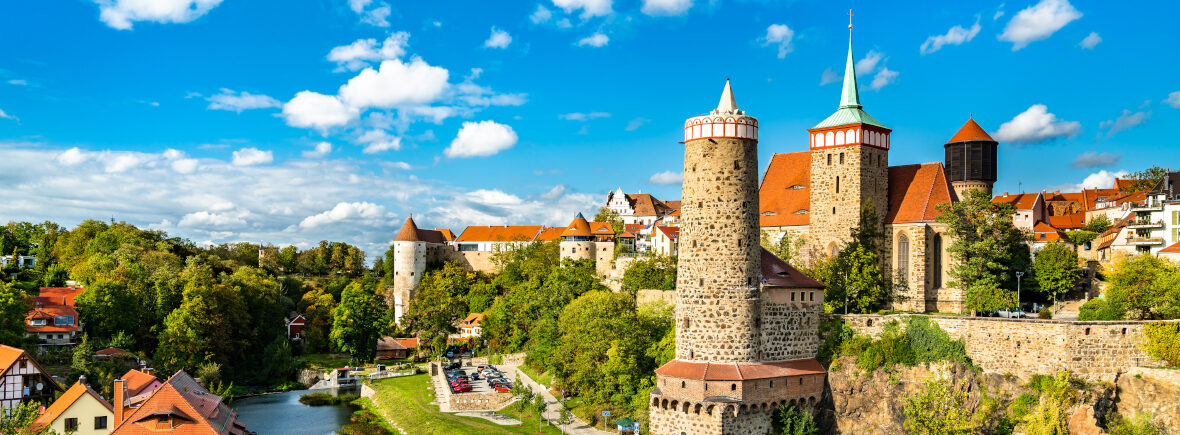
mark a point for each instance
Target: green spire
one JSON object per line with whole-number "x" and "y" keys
{"x": 850, "y": 97}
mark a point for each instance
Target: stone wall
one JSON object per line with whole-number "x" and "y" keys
{"x": 790, "y": 318}
{"x": 649, "y": 296}
{"x": 841, "y": 180}
{"x": 479, "y": 401}
{"x": 480, "y": 261}
{"x": 1023, "y": 347}
{"x": 577, "y": 250}
{"x": 675, "y": 418}
{"x": 604, "y": 257}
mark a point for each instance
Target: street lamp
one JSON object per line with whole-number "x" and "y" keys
{"x": 1019, "y": 275}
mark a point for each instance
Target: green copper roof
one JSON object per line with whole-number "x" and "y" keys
{"x": 850, "y": 111}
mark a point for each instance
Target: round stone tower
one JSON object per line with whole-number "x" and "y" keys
{"x": 409, "y": 263}
{"x": 576, "y": 241}
{"x": 719, "y": 265}
{"x": 971, "y": 159}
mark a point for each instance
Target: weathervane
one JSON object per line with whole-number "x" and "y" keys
{"x": 850, "y": 19}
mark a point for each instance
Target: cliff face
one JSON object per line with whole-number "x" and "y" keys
{"x": 1151, "y": 390}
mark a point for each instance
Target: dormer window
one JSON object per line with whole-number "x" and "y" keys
{"x": 37, "y": 322}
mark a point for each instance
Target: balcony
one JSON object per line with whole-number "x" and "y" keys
{"x": 1140, "y": 224}
{"x": 1145, "y": 241}
{"x": 1147, "y": 206}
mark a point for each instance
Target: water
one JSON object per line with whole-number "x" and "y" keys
{"x": 281, "y": 413}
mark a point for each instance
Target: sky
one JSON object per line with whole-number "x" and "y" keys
{"x": 290, "y": 122}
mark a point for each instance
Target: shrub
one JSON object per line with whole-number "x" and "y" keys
{"x": 1139, "y": 424}
{"x": 930, "y": 343}
{"x": 834, "y": 332}
{"x": 1099, "y": 309}
{"x": 792, "y": 420}
{"x": 939, "y": 409}
{"x": 1162, "y": 341}
{"x": 922, "y": 341}
{"x": 1050, "y": 415}
{"x": 1045, "y": 313}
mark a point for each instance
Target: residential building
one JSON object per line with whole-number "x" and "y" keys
{"x": 1171, "y": 252}
{"x": 471, "y": 326}
{"x": 1044, "y": 234}
{"x": 295, "y": 323}
{"x": 53, "y": 320}
{"x": 665, "y": 241}
{"x": 22, "y": 379}
{"x": 79, "y": 411}
{"x": 496, "y": 238}
{"x": 1155, "y": 221}
{"x": 25, "y": 261}
{"x": 396, "y": 348}
{"x": 639, "y": 208}
{"x": 180, "y": 405}
{"x": 140, "y": 385}
{"x": 1030, "y": 208}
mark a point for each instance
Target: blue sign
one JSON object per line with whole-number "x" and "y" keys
{"x": 606, "y": 413}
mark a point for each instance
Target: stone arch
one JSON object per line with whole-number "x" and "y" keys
{"x": 792, "y": 402}
{"x": 709, "y": 409}
{"x": 730, "y": 409}
{"x": 655, "y": 402}
{"x": 811, "y": 401}
{"x": 684, "y": 407}
{"x": 696, "y": 409}
{"x": 674, "y": 405}
{"x": 937, "y": 266}
{"x": 664, "y": 405}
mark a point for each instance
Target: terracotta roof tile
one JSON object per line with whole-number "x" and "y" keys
{"x": 1174, "y": 248}
{"x": 137, "y": 381}
{"x": 915, "y": 191}
{"x": 409, "y": 343}
{"x": 971, "y": 132}
{"x": 1069, "y": 221}
{"x": 9, "y": 356}
{"x": 1022, "y": 201}
{"x": 550, "y": 234}
{"x": 670, "y": 232}
{"x": 577, "y": 228}
{"x": 48, "y": 313}
{"x": 67, "y": 400}
{"x": 644, "y": 204}
{"x": 500, "y": 233}
{"x": 409, "y": 231}
{"x": 785, "y": 195}
{"x": 446, "y": 234}
{"x": 59, "y": 295}
{"x": 389, "y": 343}
{"x": 739, "y": 371}
{"x": 194, "y": 410}
{"x": 602, "y": 229}
{"x": 776, "y": 272}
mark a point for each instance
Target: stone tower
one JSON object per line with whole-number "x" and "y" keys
{"x": 576, "y": 241}
{"x": 849, "y": 165}
{"x": 730, "y": 370}
{"x": 971, "y": 160}
{"x": 409, "y": 263}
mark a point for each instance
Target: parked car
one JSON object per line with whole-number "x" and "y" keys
{"x": 501, "y": 388}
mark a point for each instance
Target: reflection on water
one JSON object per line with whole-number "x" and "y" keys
{"x": 281, "y": 413}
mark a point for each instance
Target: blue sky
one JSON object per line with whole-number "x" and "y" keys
{"x": 291, "y": 122}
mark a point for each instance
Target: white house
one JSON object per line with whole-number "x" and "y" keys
{"x": 23, "y": 380}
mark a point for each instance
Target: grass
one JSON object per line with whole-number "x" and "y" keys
{"x": 328, "y": 361}
{"x": 406, "y": 401}
{"x": 543, "y": 379}
{"x": 323, "y": 398}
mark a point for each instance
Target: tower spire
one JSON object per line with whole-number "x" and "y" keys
{"x": 850, "y": 97}
{"x": 727, "y": 105}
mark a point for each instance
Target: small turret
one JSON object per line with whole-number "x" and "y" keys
{"x": 576, "y": 241}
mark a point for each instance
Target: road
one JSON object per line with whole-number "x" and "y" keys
{"x": 553, "y": 409}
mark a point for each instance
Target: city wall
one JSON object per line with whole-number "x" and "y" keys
{"x": 1097, "y": 350}
{"x": 480, "y": 261}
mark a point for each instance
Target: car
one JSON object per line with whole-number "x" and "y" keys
{"x": 502, "y": 388}
{"x": 475, "y": 376}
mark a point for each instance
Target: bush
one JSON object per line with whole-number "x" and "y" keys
{"x": 1139, "y": 424}
{"x": 922, "y": 341}
{"x": 939, "y": 409}
{"x": 1162, "y": 341}
{"x": 1099, "y": 309}
{"x": 1050, "y": 415}
{"x": 792, "y": 420}
{"x": 834, "y": 332}
{"x": 323, "y": 398}
{"x": 1045, "y": 313}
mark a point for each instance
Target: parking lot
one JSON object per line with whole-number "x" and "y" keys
{"x": 479, "y": 379}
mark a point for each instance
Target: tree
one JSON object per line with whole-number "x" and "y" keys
{"x": 1050, "y": 416}
{"x": 524, "y": 397}
{"x": 55, "y": 276}
{"x": 565, "y": 417}
{"x": 790, "y": 419}
{"x": 440, "y": 301}
{"x": 1146, "y": 179}
{"x": 1144, "y": 287}
{"x": 1162, "y": 341}
{"x": 1099, "y": 224}
{"x": 205, "y": 328}
{"x": 13, "y": 309}
{"x": 650, "y": 273}
{"x": 939, "y": 409}
{"x": 103, "y": 308}
{"x": 787, "y": 247}
{"x": 356, "y": 321}
{"x": 987, "y": 250}
{"x": 853, "y": 276}
{"x": 277, "y": 363}
{"x": 1055, "y": 269}
{"x": 539, "y": 406}
{"x": 15, "y": 420}
{"x": 610, "y": 216}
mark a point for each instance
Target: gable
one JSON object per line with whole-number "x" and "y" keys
{"x": 915, "y": 192}
{"x": 784, "y": 198}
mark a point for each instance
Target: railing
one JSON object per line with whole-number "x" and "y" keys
{"x": 1145, "y": 240}
{"x": 1147, "y": 207}
{"x": 1145, "y": 224}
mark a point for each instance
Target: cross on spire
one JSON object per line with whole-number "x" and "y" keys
{"x": 850, "y": 19}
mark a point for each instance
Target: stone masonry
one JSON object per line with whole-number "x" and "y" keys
{"x": 841, "y": 180}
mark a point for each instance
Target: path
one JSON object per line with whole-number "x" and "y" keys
{"x": 553, "y": 409}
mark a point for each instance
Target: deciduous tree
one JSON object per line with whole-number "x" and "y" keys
{"x": 987, "y": 250}
{"x": 356, "y": 322}
{"x": 1055, "y": 269}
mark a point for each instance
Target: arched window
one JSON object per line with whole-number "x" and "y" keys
{"x": 851, "y": 136}
{"x": 937, "y": 261}
{"x": 903, "y": 258}
{"x": 830, "y": 139}
{"x": 839, "y": 138}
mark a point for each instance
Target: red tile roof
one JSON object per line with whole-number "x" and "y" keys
{"x": 48, "y": 313}
{"x": 670, "y": 232}
{"x": 643, "y": 204}
{"x": 739, "y": 371}
{"x": 411, "y": 233}
{"x": 64, "y": 403}
{"x": 776, "y": 272}
{"x": 10, "y": 355}
{"x": 473, "y": 319}
{"x": 500, "y": 233}
{"x": 111, "y": 351}
{"x": 971, "y": 132}
{"x": 1022, "y": 201}
{"x": 389, "y": 343}
{"x": 577, "y": 228}
{"x": 1174, "y": 248}
{"x": 1069, "y": 221}
{"x": 784, "y": 198}
{"x": 137, "y": 381}
{"x": 633, "y": 228}
{"x": 409, "y": 343}
{"x": 550, "y": 234}
{"x": 59, "y": 295}
{"x": 915, "y": 191}
{"x": 192, "y": 409}
{"x": 1043, "y": 232}
{"x": 602, "y": 229}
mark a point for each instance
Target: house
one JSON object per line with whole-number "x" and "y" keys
{"x": 25, "y": 261}
{"x": 1030, "y": 208}
{"x": 496, "y": 237}
{"x": 53, "y": 318}
{"x": 140, "y": 384}
{"x": 22, "y": 379}
{"x": 1155, "y": 221}
{"x": 639, "y": 208}
{"x": 664, "y": 241}
{"x": 179, "y": 406}
{"x": 1043, "y": 234}
{"x": 295, "y": 323}
{"x": 1171, "y": 252}
{"x": 396, "y": 348}
{"x": 79, "y": 411}
{"x": 471, "y": 326}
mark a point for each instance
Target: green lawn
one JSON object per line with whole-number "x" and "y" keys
{"x": 406, "y": 401}
{"x": 328, "y": 361}
{"x": 544, "y": 379}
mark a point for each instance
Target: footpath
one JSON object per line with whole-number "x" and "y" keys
{"x": 553, "y": 408}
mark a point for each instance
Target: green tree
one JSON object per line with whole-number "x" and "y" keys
{"x": 1162, "y": 341}
{"x": 987, "y": 250}
{"x": 786, "y": 248}
{"x": 205, "y": 328}
{"x": 1144, "y": 287}
{"x": 565, "y": 417}
{"x": 440, "y": 302}
{"x": 939, "y": 409}
{"x": 790, "y": 419}
{"x": 356, "y": 321}
{"x": 1099, "y": 224}
{"x": 1146, "y": 179}
{"x": 539, "y": 406}
{"x": 610, "y": 216}
{"x": 1055, "y": 269}
{"x": 15, "y": 420}
{"x": 55, "y": 276}
{"x": 13, "y": 309}
{"x": 103, "y": 308}
{"x": 1050, "y": 416}
{"x": 657, "y": 273}
{"x": 277, "y": 363}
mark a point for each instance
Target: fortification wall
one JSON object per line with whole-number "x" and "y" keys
{"x": 649, "y": 296}
{"x": 1023, "y": 347}
{"x": 480, "y": 261}
{"x": 790, "y": 318}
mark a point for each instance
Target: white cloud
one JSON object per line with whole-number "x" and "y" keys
{"x": 595, "y": 40}
{"x": 955, "y": 36}
{"x": 5, "y": 115}
{"x": 228, "y": 100}
{"x": 1038, "y": 22}
{"x": 1091, "y": 159}
{"x": 666, "y": 177}
{"x": 319, "y": 150}
{"x": 72, "y": 156}
{"x": 1125, "y": 121}
{"x": 634, "y": 124}
{"x": 1036, "y": 125}
{"x": 121, "y": 14}
{"x": 121, "y": 162}
{"x": 212, "y": 219}
{"x": 563, "y": 23}
{"x": 555, "y": 192}
{"x": 1173, "y": 100}
{"x": 396, "y": 84}
{"x": 359, "y": 53}
{"x": 541, "y": 15}
{"x": 1090, "y": 41}
{"x": 18, "y": 82}
{"x": 478, "y": 96}
{"x": 590, "y": 8}
{"x": 495, "y": 207}
{"x": 829, "y": 76}
{"x": 666, "y": 7}
{"x": 868, "y": 64}
{"x": 582, "y": 117}
{"x": 345, "y": 211}
{"x": 779, "y": 34}
{"x": 185, "y": 166}
{"x": 378, "y": 141}
{"x": 1102, "y": 179}
{"x": 884, "y": 78}
{"x": 498, "y": 39}
{"x": 252, "y": 156}
{"x": 481, "y": 139}
{"x": 372, "y": 13}
{"x": 314, "y": 110}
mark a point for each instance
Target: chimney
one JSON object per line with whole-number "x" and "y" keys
{"x": 120, "y": 400}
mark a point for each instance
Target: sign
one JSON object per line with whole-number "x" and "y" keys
{"x": 606, "y": 413}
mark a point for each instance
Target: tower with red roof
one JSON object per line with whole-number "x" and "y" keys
{"x": 971, "y": 159}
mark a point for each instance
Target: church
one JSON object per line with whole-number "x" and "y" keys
{"x": 816, "y": 196}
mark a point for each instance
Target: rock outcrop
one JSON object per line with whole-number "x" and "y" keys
{"x": 1151, "y": 390}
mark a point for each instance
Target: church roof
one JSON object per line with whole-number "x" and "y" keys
{"x": 409, "y": 231}
{"x": 915, "y": 191}
{"x": 971, "y": 132}
{"x": 850, "y": 110}
{"x": 785, "y": 195}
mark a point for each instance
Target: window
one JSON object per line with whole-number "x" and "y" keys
{"x": 100, "y": 422}
{"x": 841, "y": 158}
{"x": 792, "y": 296}
{"x": 838, "y": 177}
{"x": 903, "y": 257}
{"x": 71, "y": 424}
{"x": 63, "y": 320}
{"x": 937, "y": 261}
{"x": 37, "y": 322}
{"x": 829, "y": 159}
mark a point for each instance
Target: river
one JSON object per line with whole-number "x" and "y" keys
{"x": 281, "y": 413}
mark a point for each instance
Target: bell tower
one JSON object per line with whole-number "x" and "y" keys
{"x": 849, "y": 165}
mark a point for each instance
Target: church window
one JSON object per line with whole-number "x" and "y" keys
{"x": 937, "y": 261}
{"x": 838, "y": 179}
{"x": 903, "y": 257}
{"x": 839, "y": 138}
{"x": 829, "y": 139}
{"x": 851, "y": 136}
{"x": 829, "y": 159}
{"x": 841, "y": 158}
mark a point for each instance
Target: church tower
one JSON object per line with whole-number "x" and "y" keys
{"x": 971, "y": 160}
{"x": 849, "y": 166}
